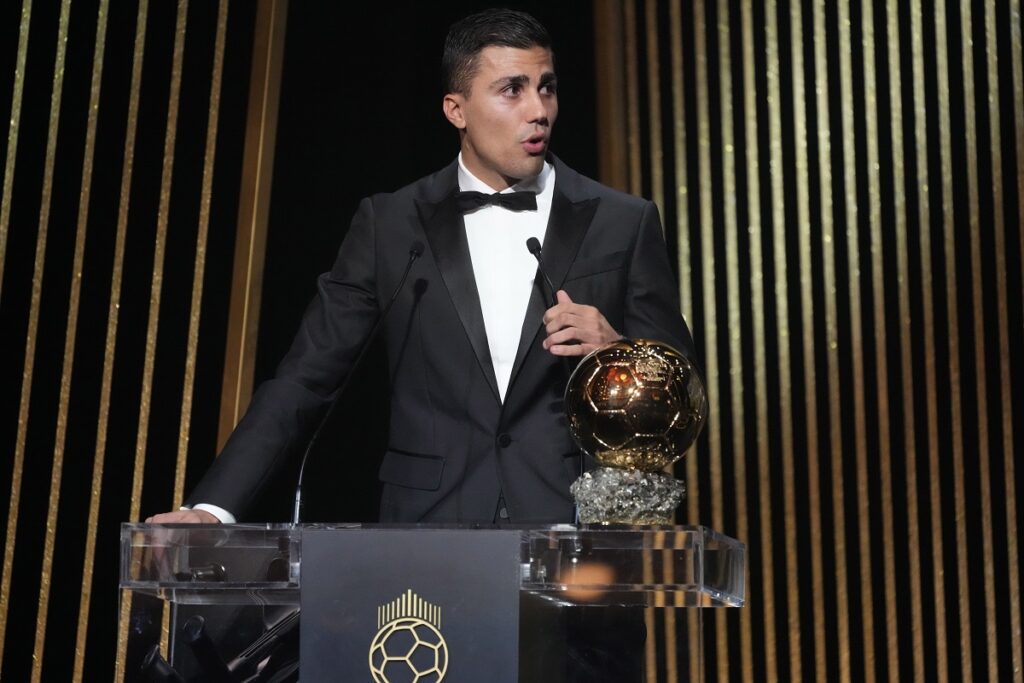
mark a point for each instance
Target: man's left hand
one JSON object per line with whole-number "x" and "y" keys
{"x": 575, "y": 329}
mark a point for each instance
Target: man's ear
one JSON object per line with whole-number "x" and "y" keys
{"x": 452, "y": 106}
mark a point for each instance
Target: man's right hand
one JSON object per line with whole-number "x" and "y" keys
{"x": 183, "y": 517}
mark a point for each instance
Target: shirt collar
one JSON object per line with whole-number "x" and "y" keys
{"x": 537, "y": 183}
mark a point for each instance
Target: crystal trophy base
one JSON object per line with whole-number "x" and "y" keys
{"x": 610, "y": 495}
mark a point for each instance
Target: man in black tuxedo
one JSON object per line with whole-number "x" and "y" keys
{"x": 478, "y": 355}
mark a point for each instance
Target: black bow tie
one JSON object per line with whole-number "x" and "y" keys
{"x": 513, "y": 201}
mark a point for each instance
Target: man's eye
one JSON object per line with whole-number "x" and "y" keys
{"x": 512, "y": 90}
{"x": 548, "y": 88}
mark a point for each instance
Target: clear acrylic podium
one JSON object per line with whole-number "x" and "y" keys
{"x": 412, "y": 603}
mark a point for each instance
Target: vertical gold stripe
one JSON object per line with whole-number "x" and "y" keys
{"x": 793, "y": 590}
{"x": 670, "y": 642}
{"x": 953, "y": 333}
{"x": 1018, "y": 107}
{"x": 1009, "y": 476}
{"x": 856, "y": 350}
{"x": 692, "y": 459}
{"x": 807, "y": 322}
{"x": 881, "y": 345}
{"x": 665, "y": 647}
{"x": 650, "y": 644}
{"x": 162, "y": 220}
{"x": 927, "y": 294}
{"x": 654, "y": 104}
{"x": 710, "y": 331}
{"x": 104, "y": 401}
{"x": 764, "y": 484}
{"x": 165, "y": 628}
{"x": 906, "y": 370}
{"x": 655, "y": 157}
{"x": 200, "y": 266}
{"x": 633, "y": 98}
{"x": 109, "y": 356}
{"x": 679, "y": 162}
{"x": 685, "y": 290}
{"x": 732, "y": 284}
{"x": 685, "y": 273}
{"x": 156, "y": 284}
{"x": 5, "y": 217}
{"x": 253, "y": 209}
{"x": 981, "y": 402}
{"x": 12, "y": 153}
{"x": 836, "y": 453}
{"x": 610, "y": 69}
{"x": 45, "y": 202}
{"x": 70, "y": 336}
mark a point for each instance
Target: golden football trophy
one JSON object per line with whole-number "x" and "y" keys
{"x": 635, "y": 406}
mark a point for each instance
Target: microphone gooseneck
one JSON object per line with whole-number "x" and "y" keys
{"x": 533, "y": 244}
{"x": 415, "y": 251}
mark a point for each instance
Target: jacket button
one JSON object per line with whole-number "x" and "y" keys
{"x": 504, "y": 440}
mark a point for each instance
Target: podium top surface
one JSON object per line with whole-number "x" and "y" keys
{"x": 660, "y": 566}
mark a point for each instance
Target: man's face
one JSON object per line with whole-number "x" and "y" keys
{"x": 506, "y": 118}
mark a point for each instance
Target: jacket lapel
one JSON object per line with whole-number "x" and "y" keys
{"x": 446, "y": 232}
{"x": 567, "y": 226}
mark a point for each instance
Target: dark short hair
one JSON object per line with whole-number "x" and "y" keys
{"x": 492, "y": 27}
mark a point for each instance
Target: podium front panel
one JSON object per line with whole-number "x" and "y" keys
{"x": 410, "y": 604}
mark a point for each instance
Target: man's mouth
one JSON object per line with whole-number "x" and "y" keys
{"x": 535, "y": 144}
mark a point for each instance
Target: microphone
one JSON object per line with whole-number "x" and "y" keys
{"x": 156, "y": 669}
{"x": 533, "y": 244}
{"x": 415, "y": 251}
{"x": 213, "y": 668}
{"x": 205, "y": 572}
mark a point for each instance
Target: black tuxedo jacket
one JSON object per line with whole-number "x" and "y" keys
{"x": 454, "y": 446}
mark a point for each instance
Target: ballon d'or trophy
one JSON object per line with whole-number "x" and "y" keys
{"x": 634, "y": 406}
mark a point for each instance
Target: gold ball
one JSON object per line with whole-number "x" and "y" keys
{"x": 636, "y": 404}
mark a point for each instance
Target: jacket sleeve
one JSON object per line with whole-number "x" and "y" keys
{"x": 286, "y": 409}
{"x": 652, "y": 295}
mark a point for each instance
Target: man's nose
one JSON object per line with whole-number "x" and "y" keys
{"x": 537, "y": 112}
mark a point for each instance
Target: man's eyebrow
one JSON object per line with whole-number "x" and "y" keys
{"x": 518, "y": 79}
{"x": 546, "y": 78}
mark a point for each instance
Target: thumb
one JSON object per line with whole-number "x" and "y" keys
{"x": 563, "y": 297}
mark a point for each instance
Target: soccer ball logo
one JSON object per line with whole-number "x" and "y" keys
{"x": 408, "y": 650}
{"x": 635, "y": 404}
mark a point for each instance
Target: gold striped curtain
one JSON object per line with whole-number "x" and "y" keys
{"x": 120, "y": 157}
{"x": 843, "y": 183}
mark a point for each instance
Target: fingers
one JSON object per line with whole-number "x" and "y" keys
{"x": 572, "y": 349}
{"x": 564, "y": 305}
{"x": 579, "y": 334}
{"x": 574, "y": 329}
{"x": 183, "y": 517}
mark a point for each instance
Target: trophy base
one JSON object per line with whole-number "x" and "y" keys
{"x": 609, "y": 495}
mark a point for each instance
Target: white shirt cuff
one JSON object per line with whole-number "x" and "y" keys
{"x": 223, "y": 515}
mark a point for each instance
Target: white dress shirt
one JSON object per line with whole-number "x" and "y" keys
{"x": 503, "y": 267}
